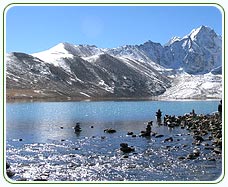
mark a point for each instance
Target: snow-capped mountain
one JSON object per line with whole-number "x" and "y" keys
{"x": 105, "y": 77}
{"x": 130, "y": 71}
{"x": 197, "y": 53}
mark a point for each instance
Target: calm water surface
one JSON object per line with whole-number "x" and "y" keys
{"x": 50, "y": 149}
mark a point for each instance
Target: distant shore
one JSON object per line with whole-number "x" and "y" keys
{"x": 75, "y": 99}
{"x": 28, "y": 95}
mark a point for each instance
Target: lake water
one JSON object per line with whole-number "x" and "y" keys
{"x": 41, "y": 142}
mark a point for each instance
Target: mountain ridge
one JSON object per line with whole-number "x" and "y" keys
{"x": 131, "y": 71}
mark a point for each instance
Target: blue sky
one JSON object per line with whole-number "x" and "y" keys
{"x": 32, "y": 29}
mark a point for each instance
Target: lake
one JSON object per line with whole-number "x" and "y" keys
{"x": 41, "y": 142}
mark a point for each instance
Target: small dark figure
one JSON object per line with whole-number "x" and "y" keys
{"x": 193, "y": 112}
{"x": 148, "y": 129}
{"x": 77, "y": 127}
{"x": 159, "y": 114}
{"x": 220, "y": 108}
{"x": 147, "y": 132}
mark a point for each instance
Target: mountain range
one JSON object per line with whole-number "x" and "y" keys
{"x": 188, "y": 67}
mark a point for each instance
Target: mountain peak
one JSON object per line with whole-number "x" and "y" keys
{"x": 149, "y": 42}
{"x": 57, "y": 47}
{"x": 201, "y": 31}
{"x": 172, "y": 40}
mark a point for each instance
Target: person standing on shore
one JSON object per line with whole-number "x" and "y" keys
{"x": 220, "y": 108}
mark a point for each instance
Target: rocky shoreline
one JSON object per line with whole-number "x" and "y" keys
{"x": 206, "y": 130}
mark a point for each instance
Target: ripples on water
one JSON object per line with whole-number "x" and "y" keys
{"x": 94, "y": 155}
{"x": 98, "y": 158}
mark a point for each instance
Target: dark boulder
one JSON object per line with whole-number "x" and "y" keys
{"x": 170, "y": 139}
{"x": 130, "y": 133}
{"x": 110, "y": 130}
{"x": 159, "y": 136}
{"x": 40, "y": 180}
{"x": 125, "y": 149}
{"x": 10, "y": 173}
{"x": 123, "y": 145}
{"x": 7, "y": 165}
{"x": 198, "y": 138}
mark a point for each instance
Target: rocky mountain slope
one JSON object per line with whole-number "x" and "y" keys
{"x": 196, "y": 53}
{"x": 70, "y": 71}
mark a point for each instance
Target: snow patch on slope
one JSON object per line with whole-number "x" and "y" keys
{"x": 186, "y": 86}
{"x": 91, "y": 58}
{"x": 84, "y": 94}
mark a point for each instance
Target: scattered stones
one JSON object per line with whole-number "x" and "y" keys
{"x": 203, "y": 128}
{"x": 131, "y": 134}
